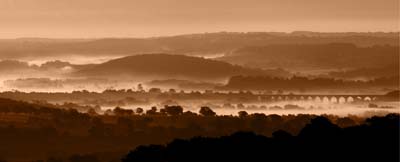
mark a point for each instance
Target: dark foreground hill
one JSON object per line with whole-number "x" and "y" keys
{"x": 166, "y": 65}
{"x": 377, "y": 140}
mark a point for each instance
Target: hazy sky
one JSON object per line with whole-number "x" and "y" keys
{"x": 143, "y": 18}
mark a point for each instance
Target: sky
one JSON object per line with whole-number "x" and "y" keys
{"x": 148, "y": 18}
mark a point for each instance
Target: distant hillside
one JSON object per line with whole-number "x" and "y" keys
{"x": 166, "y": 65}
{"x": 192, "y": 44}
{"x": 12, "y": 65}
{"x": 367, "y": 73}
{"x": 315, "y": 56}
{"x": 21, "y": 68}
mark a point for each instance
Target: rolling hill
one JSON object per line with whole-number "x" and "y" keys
{"x": 171, "y": 66}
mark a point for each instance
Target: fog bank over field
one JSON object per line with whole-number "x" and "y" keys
{"x": 75, "y": 59}
{"x": 216, "y": 70}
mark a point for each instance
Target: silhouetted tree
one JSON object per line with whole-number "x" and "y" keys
{"x": 319, "y": 127}
{"x": 154, "y": 90}
{"x": 152, "y": 111}
{"x": 121, "y": 111}
{"x": 189, "y": 113}
{"x": 173, "y": 110}
{"x": 92, "y": 112}
{"x": 140, "y": 88}
{"x": 206, "y": 111}
{"x": 139, "y": 110}
{"x": 172, "y": 91}
{"x": 242, "y": 114}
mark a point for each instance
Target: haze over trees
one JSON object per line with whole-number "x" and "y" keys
{"x": 315, "y": 56}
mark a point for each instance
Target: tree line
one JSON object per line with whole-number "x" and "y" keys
{"x": 305, "y": 83}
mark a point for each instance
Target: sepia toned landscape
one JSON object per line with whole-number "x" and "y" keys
{"x": 199, "y": 81}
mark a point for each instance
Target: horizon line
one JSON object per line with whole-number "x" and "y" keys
{"x": 199, "y": 33}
